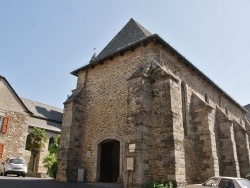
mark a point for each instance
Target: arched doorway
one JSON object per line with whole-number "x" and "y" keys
{"x": 109, "y": 161}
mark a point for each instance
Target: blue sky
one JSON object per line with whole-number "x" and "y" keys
{"x": 42, "y": 41}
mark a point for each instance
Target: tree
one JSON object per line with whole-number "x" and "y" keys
{"x": 54, "y": 148}
{"x": 37, "y": 140}
{"x": 50, "y": 160}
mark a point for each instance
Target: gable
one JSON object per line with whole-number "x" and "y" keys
{"x": 130, "y": 36}
{"x": 9, "y": 100}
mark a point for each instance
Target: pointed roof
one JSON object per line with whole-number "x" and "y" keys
{"x": 129, "y": 34}
{"x": 133, "y": 35}
{"x": 18, "y": 98}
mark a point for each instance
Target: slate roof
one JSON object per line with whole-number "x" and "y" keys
{"x": 129, "y": 34}
{"x": 133, "y": 35}
{"x": 44, "y": 111}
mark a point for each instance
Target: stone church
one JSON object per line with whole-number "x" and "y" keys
{"x": 142, "y": 112}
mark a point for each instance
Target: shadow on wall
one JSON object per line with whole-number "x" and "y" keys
{"x": 50, "y": 114}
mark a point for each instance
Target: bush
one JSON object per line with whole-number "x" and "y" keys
{"x": 160, "y": 184}
{"x": 53, "y": 170}
{"x": 50, "y": 160}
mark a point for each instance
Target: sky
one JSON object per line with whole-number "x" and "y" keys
{"x": 42, "y": 41}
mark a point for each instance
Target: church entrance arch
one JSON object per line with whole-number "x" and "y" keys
{"x": 109, "y": 161}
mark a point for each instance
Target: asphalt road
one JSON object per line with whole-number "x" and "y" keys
{"x": 27, "y": 182}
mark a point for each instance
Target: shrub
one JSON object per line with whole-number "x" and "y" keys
{"x": 160, "y": 184}
{"x": 53, "y": 170}
{"x": 50, "y": 160}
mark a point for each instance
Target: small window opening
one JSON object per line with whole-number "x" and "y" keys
{"x": 184, "y": 104}
{"x": 28, "y": 143}
{"x": 206, "y": 98}
{"x": 226, "y": 110}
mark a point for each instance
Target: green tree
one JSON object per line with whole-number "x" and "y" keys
{"x": 50, "y": 160}
{"x": 37, "y": 140}
{"x": 54, "y": 148}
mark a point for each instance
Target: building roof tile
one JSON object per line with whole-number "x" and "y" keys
{"x": 132, "y": 35}
{"x": 129, "y": 34}
{"x": 43, "y": 110}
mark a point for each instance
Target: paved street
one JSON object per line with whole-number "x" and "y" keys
{"x": 27, "y": 182}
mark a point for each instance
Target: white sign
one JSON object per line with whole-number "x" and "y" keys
{"x": 130, "y": 164}
{"x": 131, "y": 147}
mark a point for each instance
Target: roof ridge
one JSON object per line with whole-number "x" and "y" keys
{"x": 130, "y": 33}
{"x": 143, "y": 29}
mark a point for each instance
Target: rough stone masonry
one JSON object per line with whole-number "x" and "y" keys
{"x": 142, "y": 112}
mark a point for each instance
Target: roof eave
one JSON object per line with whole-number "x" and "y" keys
{"x": 202, "y": 74}
{"x": 47, "y": 119}
{"x": 49, "y": 130}
{"x": 118, "y": 52}
{"x": 158, "y": 39}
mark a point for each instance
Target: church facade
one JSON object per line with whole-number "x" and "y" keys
{"x": 142, "y": 112}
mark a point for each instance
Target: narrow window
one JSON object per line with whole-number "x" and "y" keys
{"x": 206, "y": 98}
{"x": 5, "y": 124}
{"x": 51, "y": 141}
{"x": 226, "y": 110}
{"x": 28, "y": 143}
{"x": 184, "y": 104}
{"x": 1, "y": 150}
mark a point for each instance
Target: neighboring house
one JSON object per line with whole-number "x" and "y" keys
{"x": 17, "y": 118}
{"x": 141, "y": 112}
{"x": 45, "y": 117}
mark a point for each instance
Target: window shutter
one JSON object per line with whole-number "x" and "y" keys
{"x": 5, "y": 124}
{"x": 1, "y": 151}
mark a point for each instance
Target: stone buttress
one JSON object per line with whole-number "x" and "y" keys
{"x": 70, "y": 155}
{"x": 154, "y": 107}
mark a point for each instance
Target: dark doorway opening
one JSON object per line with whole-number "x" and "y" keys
{"x": 109, "y": 161}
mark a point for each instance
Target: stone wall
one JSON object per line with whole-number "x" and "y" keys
{"x": 242, "y": 146}
{"x": 14, "y": 138}
{"x": 136, "y": 99}
{"x": 226, "y": 146}
{"x": 8, "y": 99}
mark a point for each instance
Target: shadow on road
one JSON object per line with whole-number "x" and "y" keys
{"x": 14, "y": 182}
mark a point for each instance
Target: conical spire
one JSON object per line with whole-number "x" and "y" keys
{"x": 130, "y": 33}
